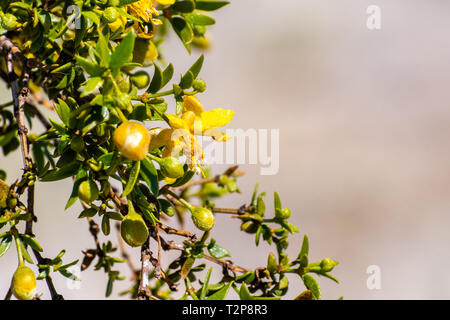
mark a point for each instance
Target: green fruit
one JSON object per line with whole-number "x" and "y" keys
{"x": 171, "y": 167}
{"x": 88, "y": 191}
{"x": 133, "y": 229}
{"x": 203, "y": 218}
{"x": 24, "y": 283}
{"x": 110, "y": 14}
{"x": 140, "y": 79}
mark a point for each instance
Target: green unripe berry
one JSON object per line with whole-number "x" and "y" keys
{"x": 88, "y": 191}
{"x": 203, "y": 218}
{"x": 133, "y": 229}
{"x": 24, "y": 283}
{"x": 171, "y": 167}
{"x": 199, "y": 85}
{"x": 140, "y": 79}
{"x": 110, "y": 14}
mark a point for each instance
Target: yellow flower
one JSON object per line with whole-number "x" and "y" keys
{"x": 166, "y": 2}
{"x": 142, "y": 10}
{"x": 193, "y": 121}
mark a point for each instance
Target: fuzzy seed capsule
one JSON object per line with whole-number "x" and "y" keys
{"x": 203, "y": 218}
{"x": 132, "y": 139}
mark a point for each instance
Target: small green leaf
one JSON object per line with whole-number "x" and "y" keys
{"x": 5, "y": 243}
{"x": 210, "y": 5}
{"x": 63, "y": 173}
{"x": 68, "y": 274}
{"x": 102, "y": 50}
{"x": 150, "y": 175}
{"x": 244, "y": 294}
{"x": 31, "y": 242}
{"x": 200, "y": 19}
{"x": 24, "y": 251}
{"x": 134, "y": 174}
{"x": 186, "y": 80}
{"x": 260, "y": 205}
{"x": 123, "y": 52}
{"x": 187, "y": 266}
{"x": 106, "y": 227}
{"x": 63, "y": 111}
{"x": 90, "y": 67}
{"x": 222, "y": 293}
{"x": 183, "y": 6}
{"x": 311, "y": 284}
{"x": 197, "y": 66}
{"x": 91, "y": 85}
{"x": 277, "y": 201}
{"x": 167, "y": 75}
{"x": 157, "y": 80}
{"x": 218, "y": 252}
{"x": 109, "y": 287}
{"x": 205, "y": 285}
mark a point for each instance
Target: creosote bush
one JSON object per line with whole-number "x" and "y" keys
{"x": 83, "y": 60}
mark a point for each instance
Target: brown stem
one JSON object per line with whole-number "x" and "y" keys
{"x": 143, "y": 290}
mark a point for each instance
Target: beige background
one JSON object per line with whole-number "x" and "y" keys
{"x": 364, "y": 120}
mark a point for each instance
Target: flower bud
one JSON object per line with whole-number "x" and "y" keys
{"x": 133, "y": 229}
{"x": 283, "y": 213}
{"x": 88, "y": 191}
{"x": 171, "y": 167}
{"x": 132, "y": 139}
{"x": 24, "y": 283}
{"x": 140, "y": 79}
{"x": 203, "y": 218}
{"x": 199, "y": 85}
{"x": 327, "y": 264}
{"x": 110, "y": 14}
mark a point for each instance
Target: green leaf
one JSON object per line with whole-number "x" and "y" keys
{"x": 93, "y": 69}
{"x": 210, "y": 5}
{"x": 31, "y": 242}
{"x": 186, "y": 80}
{"x": 205, "y": 285}
{"x": 125, "y": 2}
{"x": 167, "y": 75}
{"x": 150, "y": 175}
{"x": 24, "y": 251}
{"x": 68, "y": 274}
{"x": 197, "y": 66}
{"x": 183, "y": 6}
{"x": 123, "y": 52}
{"x": 183, "y": 30}
{"x": 109, "y": 287}
{"x": 254, "y": 195}
{"x": 244, "y": 294}
{"x": 134, "y": 174}
{"x": 63, "y": 173}
{"x": 157, "y": 80}
{"x": 260, "y": 205}
{"x": 102, "y": 50}
{"x": 222, "y": 293}
{"x": 311, "y": 284}
{"x": 80, "y": 177}
{"x": 218, "y": 252}
{"x": 277, "y": 201}
{"x": 305, "y": 247}
{"x": 106, "y": 227}
{"x": 5, "y": 243}
{"x": 114, "y": 215}
{"x": 187, "y": 266}
{"x": 91, "y": 85}
{"x": 63, "y": 111}
{"x": 200, "y": 19}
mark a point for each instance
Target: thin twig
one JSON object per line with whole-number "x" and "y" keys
{"x": 143, "y": 290}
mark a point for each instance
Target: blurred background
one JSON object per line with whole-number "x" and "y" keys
{"x": 364, "y": 125}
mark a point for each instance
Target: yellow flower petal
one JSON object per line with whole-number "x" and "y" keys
{"x": 166, "y": 2}
{"x": 176, "y": 122}
{"x": 191, "y": 103}
{"x": 161, "y": 138}
{"x": 216, "y": 118}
